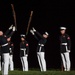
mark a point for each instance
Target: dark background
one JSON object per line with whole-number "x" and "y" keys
{"x": 47, "y": 16}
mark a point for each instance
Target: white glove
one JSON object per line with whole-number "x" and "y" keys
{"x": 14, "y": 28}
{"x": 38, "y": 53}
{"x": 26, "y": 55}
{"x": 32, "y": 32}
{"x": 9, "y": 48}
{"x": 68, "y": 51}
{"x": 10, "y": 27}
{"x": 34, "y": 29}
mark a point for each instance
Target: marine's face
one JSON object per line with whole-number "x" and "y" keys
{"x": 1, "y": 33}
{"x": 62, "y": 31}
{"x": 22, "y": 39}
{"x": 8, "y": 39}
{"x": 45, "y": 36}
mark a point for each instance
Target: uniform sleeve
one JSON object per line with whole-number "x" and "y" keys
{"x": 7, "y": 32}
{"x": 20, "y": 45}
{"x": 69, "y": 42}
{"x": 27, "y": 48}
{"x": 39, "y": 34}
{"x": 10, "y": 35}
{"x": 20, "y": 49}
{"x": 36, "y": 37}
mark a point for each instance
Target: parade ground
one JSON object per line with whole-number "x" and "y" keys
{"x": 33, "y": 72}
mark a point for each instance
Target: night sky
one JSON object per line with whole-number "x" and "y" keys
{"x": 47, "y": 16}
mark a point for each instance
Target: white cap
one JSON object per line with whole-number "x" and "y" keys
{"x": 22, "y": 35}
{"x": 46, "y": 33}
{"x": 64, "y": 28}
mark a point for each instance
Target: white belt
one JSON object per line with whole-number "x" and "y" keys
{"x": 5, "y": 45}
{"x": 23, "y": 49}
{"x": 41, "y": 44}
{"x": 63, "y": 43}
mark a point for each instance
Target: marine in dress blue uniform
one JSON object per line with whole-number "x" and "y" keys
{"x": 40, "y": 48}
{"x": 24, "y": 49}
{"x": 65, "y": 48}
{"x": 5, "y": 48}
{"x": 11, "y": 49}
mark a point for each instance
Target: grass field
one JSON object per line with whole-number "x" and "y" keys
{"x": 31, "y": 72}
